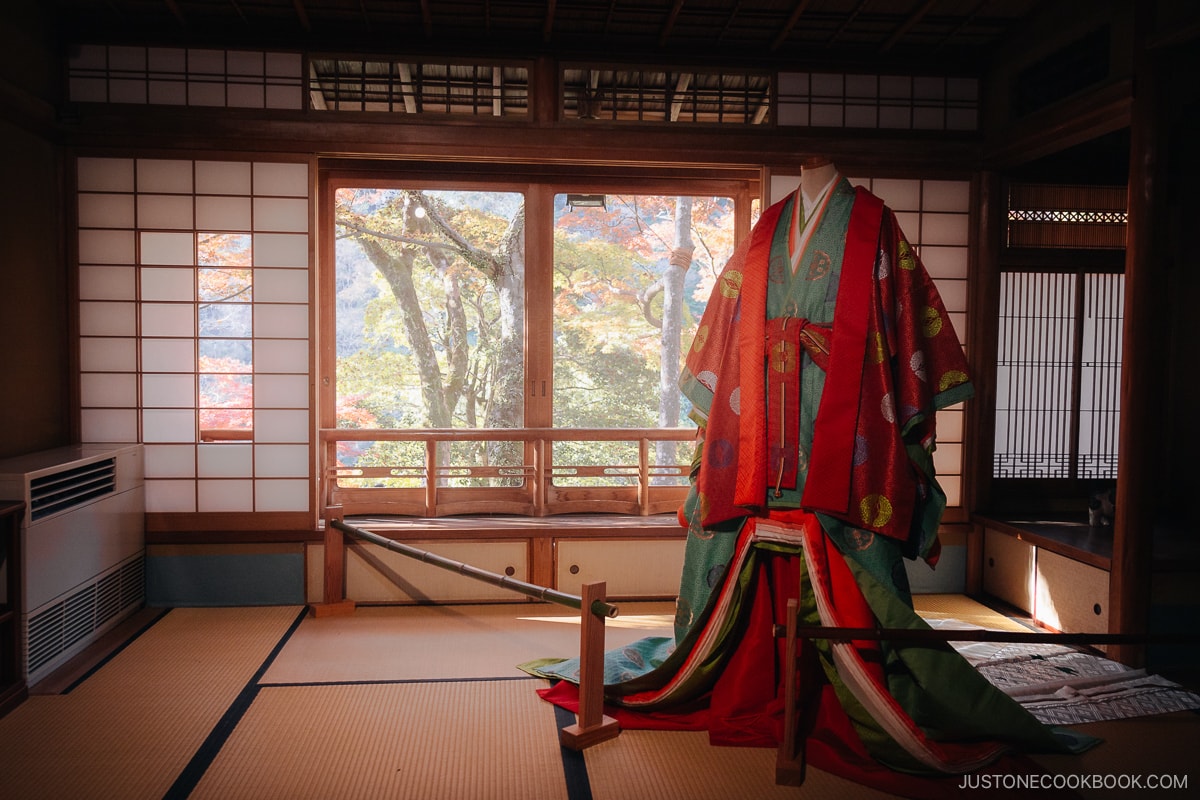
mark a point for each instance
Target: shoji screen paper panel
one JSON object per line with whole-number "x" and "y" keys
{"x": 194, "y": 332}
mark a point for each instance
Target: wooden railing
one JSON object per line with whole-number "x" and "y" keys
{"x": 537, "y": 486}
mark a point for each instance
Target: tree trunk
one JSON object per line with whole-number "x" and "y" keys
{"x": 398, "y": 273}
{"x": 672, "y": 326}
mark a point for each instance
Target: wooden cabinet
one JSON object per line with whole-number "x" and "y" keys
{"x": 642, "y": 569}
{"x": 1059, "y": 591}
{"x": 12, "y": 676}
{"x": 1071, "y": 596}
{"x": 1008, "y": 569}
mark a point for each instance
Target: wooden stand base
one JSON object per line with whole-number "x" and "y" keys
{"x": 338, "y": 609}
{"x": 576, "y": 737}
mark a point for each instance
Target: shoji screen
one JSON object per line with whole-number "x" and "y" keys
{"x": 194, "y": 327}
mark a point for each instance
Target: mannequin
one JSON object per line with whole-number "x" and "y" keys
{"x": 818, "y": 175}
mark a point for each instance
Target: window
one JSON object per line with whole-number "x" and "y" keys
{"x": 632, "y": 274}
{"x": 494, "y": 358}
{"x": 193, "y": 323}
{"x": 225, "y": 329}
{"x": 1058, "y": 375}
{"x": 1058, "y": 361}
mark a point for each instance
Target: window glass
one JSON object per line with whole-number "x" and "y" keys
{"x": 430, "y": 323}
{"x": 632, "y": 274}
{"x": 225, "y": 322}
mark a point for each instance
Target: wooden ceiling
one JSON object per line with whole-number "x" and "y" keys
{"x": 920, "y": 35}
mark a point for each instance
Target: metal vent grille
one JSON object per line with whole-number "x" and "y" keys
{"x": 61, "y": 491}
{"x": 53, "y": 631}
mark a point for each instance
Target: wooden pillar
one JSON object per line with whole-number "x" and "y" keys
{"x": 1138, "y": 462}
{"x": 333, "y": 600}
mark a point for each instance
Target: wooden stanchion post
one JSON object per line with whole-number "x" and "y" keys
{"x": 789, "y": 760}
{"x": 592, "y": 726}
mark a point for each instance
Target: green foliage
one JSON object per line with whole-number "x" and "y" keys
{"x": 451, "y": 247}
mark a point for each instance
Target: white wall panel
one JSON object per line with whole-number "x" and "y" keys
{"x": 104, "y": 174}
{"x": 224, "y": 495}
{"x": 171, "y": 390}
{"x": 225, "y": 460}
{"x": 168, "y": 425}
{"x": 274, "y": 425}
{"x": 223, "y": 177}
{"x": 223, "y": 213}
{"x": 170, "y": 460}
{"x": 285, "y": 180}
{"x": 281, "y": 460}
{"x": 281, "y": 355}
{"x": 281, "y": 391}
{"x": 169, "y": 355}
{"x": 280, "y": 213}
{"x": 107, "y": 283}
{"x": 280, "y": 250}
{"x": 281, "y": 285}
{"x": 107, "y": 319}
{"x": 105, "y": 389}
{"x": 281, "y": 495}
{"x": 162, "y": 175}
{"x": 281, "y": 321}
{"x": 170, "y": 496}
{"x": 168, "y": 248}
{"x": 106, "y": 247}
{"x": 173, "y": 212}
{"x": 168, "y": 283}
{"x": 106, "y": 211}
{"x": 109, "y": 425}
{"x": 168, "y": 319}
{"x": 101, "y": 354}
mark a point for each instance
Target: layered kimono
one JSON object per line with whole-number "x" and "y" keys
{"x": 815, "y": 375}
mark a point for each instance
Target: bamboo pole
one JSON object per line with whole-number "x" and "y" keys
{"x": 599, "y": 607}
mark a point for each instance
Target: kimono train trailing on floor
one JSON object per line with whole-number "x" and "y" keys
{"x": 815, "y": 375}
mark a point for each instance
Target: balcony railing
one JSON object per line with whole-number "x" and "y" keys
{"x": 517, "y": 471}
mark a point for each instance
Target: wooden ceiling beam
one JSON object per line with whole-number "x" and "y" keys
{"x": 669, "y": 25}
{"x": 907, "y": 25}
{"x": 733, "y": 12}
{"x": 790, "y": 25}
{"x": 427, "y": 19}
{"x": 176, "y": 11}
{"x": 548, "y": 25}
{"x": 238, "y": 8}
{"x": 302, "y": 15}
{"x": 848, "y": 21}
{"x": 967, "y": 19}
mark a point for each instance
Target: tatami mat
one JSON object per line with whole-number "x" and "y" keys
{"x": 456, "y": 740}
{"x": 383, "y": 643}
{"x": 682, "y": 765}
{"x": 411, "y": 702}
{"x": 959, "y": 607}
{"x": 131, "y": 727}
{"x": 1160, "y": 748}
